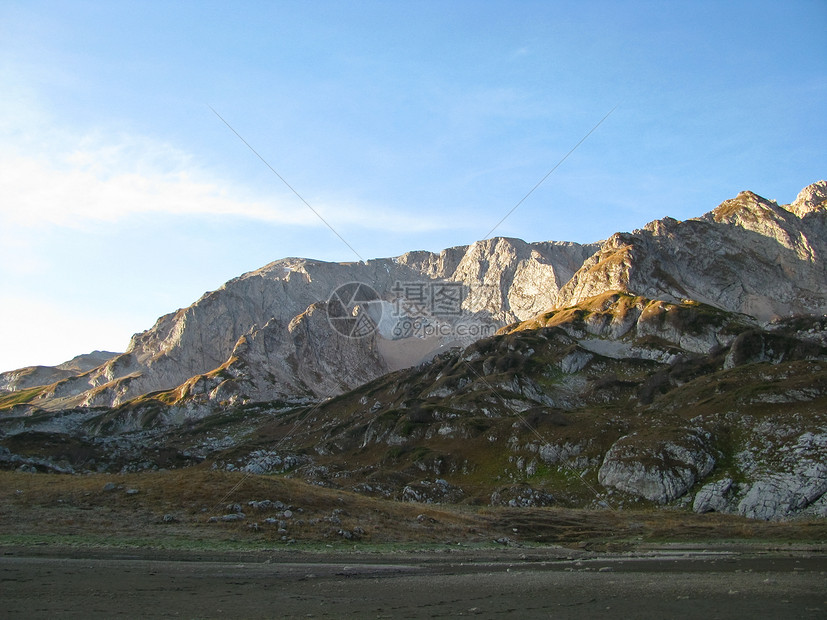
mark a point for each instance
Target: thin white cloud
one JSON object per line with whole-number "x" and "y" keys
{"x": 89, "y": 181}
{"x": 51, "y": 175}
{"x": 103, "y": 184}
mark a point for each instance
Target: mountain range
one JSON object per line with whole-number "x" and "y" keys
{"x": 679, "y": 364}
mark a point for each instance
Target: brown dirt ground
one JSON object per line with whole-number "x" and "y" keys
{"x": 70, "y": 549}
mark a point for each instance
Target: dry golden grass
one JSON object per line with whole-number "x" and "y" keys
{"x": 53, "y": 505}
{"x": 44, "y": 508}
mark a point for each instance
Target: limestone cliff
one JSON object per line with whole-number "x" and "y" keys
{"x": 269, "y": 334}
{"x": 33, "y": 376}
{"x": 593, "y": 395}
{"x": 265, "y": 335}
{"x": 749, "y": 255}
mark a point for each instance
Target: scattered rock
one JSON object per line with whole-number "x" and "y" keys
{"x": 266, "y": 504}
{"x": 427, "y": 492}
{"x": 521, "y": 496}
{"x": 263, "y": 462}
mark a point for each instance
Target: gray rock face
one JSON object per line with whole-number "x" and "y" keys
{"x": 749, "y": 255}
{"x": 779, "y": 496}
{"x": 33, "y": 376}
{"x": 87, "y": 361}
{"x": 713, "y": 497}
{"x": 265, "y": 334}
{"x": 797, "y": 482}
{"x": 657, "y": 468}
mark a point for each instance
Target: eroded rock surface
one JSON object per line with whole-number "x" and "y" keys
{"x": 660, "y": 468}
{"x": 749, "y": 255}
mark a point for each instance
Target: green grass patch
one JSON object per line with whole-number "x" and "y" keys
{"x": 99, "y": 541}
{"x": 20, "y": 397}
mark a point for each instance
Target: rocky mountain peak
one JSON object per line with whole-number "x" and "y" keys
{"x": 645, "y": 363}
{"x": 266, "y": 334}
{"x": 810, "y": 199}
{"x": 34, "y": 376}
{"x": 288, "y": 347}
{"x": 746, "y": 206}
{"x": 749, "y": 255}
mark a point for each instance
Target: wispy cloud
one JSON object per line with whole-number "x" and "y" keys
{"x": 519, "y": 53}
{"x": 90, "y": 180}
{"x": 110, "y": 182}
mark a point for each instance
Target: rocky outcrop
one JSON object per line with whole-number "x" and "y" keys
{"x": 811, "y": 199}
{"x": 749, "y": 255}
{"x": 795, "y": 484}
{"x": 263, "y": 336}
{"x": 713, "y": 497}
{"x": 87, "y": 361}
{"x": 618, "y": 325}
{"x": 657, "y": 467}
{"x": 274, "y": 317}
{"x": 427, "y": 492}
{"x": 306, "y": 360}
{"x": 34, "y": 376}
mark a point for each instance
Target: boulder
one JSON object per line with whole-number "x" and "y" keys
{"x": 659, "y": 468}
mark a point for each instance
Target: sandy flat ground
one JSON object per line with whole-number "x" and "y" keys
{"x": 38, "y": 583}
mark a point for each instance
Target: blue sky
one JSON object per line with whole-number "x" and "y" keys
{"x": 407, "y": 125}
